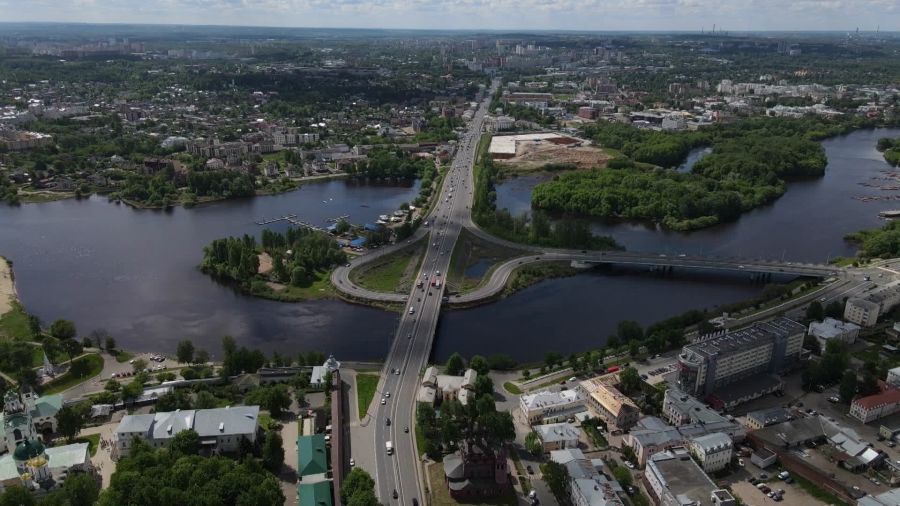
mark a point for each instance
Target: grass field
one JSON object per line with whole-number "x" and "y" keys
{"x": 67, "y": 381}
{"x": 392, "y": 274}
{"x": 123, "y": 356}
{"x": 14, "y": 324}
{"x": 817, "y": 492}
{"x": 511, "y": 387}
{"x": 320, "y": 288}
{"x": 93, "y": 441}
{"x": 366, "y": 383}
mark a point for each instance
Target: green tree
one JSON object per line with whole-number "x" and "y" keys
{"x": 186, "y": 442}
{"x": 455, "y": 365}
{"x": 356, "y": 481}
{"x": 17, "y": 496}
{"x": 185, "y": 352}
{"x": 628, "y": 330}
{"x": 552, "y": 359}
{"x": 835, "y": 309}
{"x": 229, "y": 346}
{"x": 848, "y": 386}
{"x": 630, "y": 381}
{"x": 109, "y": 343}
{"x": 815, "y": 311}
{"x": 479, "y": 364}
{"x": 205, "y": 400}
{"x": 533, "y": 444}
{"x": 70, "y": 420}
{"x": 34, "y": 326}
{"x": 273, "y": 452}
{"x": 274, "y": 398}
{"x": 80, "y": 489}
{"x": 63, "y": 329}
{"x": 623, "y": 476}
{"x": 556, "y": 476}
{"x": 201, "y": 357}
{"x": 139, "y": 365}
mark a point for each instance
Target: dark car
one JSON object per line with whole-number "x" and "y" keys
{"x": 529, "y": 469}
{"x": 415, "y": 502}
{"x": 396, "y": 495}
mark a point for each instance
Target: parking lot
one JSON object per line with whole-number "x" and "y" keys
{"x": 793, "y": 494}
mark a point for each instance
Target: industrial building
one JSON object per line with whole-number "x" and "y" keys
{"x": 674, "y": 479}
{"x": 757, "y": 352}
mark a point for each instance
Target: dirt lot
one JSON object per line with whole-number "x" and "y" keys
{"x": 534, "y": 155}
{"x": 793, "y": 495}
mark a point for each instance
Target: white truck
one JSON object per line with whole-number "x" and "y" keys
{"x": 389, "y": 446}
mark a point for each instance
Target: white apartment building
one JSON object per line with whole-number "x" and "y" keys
{"x": 551, "y": 407}
{"x": 861, "y": 311}
{"x": 830, "y": 329}
{"x": 674, "y": 479}
{"x": 558, "y": 436}
{"x": 712, "y": 450}
{"x": 865, "y": 311}
{"x": 221, "y": 430}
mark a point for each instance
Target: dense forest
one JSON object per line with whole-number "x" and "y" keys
{"x": 749, "y": 166}
{"x": 296, "y": 257}
{"x": 160, "y": 190}
{"x": 891, "y": 149}
{"x": 881, "y": 242}
{"x": 389, "y": 164}
{"x": 177, "y": 475}
{"x": 538, "y": 230}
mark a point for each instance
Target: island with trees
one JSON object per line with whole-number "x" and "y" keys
{"x": 296, "y": 263}
{"x": 891, "y": 150}
{"x": 749, "y": 165}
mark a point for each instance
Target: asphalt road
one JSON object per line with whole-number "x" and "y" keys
{"x": 396, "y": 395}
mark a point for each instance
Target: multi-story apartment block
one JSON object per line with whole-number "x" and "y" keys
{"x": 758, "y": 351}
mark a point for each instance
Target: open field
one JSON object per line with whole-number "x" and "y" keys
{"x": 366, "y": 384}
{"x": 394, "y": 273}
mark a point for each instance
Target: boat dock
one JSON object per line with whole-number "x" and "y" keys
{"x": 286, "y": 217}
{"x": 293, "y": 220}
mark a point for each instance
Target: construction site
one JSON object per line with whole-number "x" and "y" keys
{"x": 534, "y": 151}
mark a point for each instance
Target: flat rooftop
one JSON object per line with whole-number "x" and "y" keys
{"x": 682, "y": 476}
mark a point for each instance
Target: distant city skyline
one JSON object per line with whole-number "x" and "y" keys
{"x": 609, "y": 15}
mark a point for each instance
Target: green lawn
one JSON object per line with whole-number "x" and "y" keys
{"x": 469, "y": 251}
{"x": 318, "y": 289}
{"x": 66, "y": 381}
{"x": 365, "y": 391}
{"x": 93, "y": 441}
{"x": 385, "y": 277}
{"x": 817, "y": 492}
{"x": 123, "y": 356}
{"x": 511, "y": 387}
{"x": 14, "y": 324}
{"x": 392, "y": 274}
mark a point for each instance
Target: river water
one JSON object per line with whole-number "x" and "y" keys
{"x": 573, "y": 314}
{"x": 134, "y": 272}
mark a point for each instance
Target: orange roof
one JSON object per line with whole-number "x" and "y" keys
{"x": 890, "y": 396}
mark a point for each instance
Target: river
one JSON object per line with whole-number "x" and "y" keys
{"x": 134, "y": 272}
{"x": 573, "y": 314}
{"x": 807, "y": 223}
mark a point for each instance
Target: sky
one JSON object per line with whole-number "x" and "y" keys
{"x": 601, "y": 15}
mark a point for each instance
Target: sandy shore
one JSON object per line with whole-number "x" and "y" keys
{"x": 7, "y": 287}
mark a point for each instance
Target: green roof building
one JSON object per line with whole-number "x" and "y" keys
{"x": 312, "y": 457}
{"x": 314, "y": 494}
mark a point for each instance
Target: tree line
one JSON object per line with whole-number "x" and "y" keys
{"x": 537, "y": 228}
{"x": 891, "y": 150}
{"x": 749, "y": 166}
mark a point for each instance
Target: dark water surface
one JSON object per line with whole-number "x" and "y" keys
{"x": 134, "y": 272}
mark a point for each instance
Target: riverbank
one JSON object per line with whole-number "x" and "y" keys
{"x": 272, "y": 188}
{"x": 8, "y": 294}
